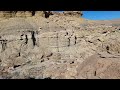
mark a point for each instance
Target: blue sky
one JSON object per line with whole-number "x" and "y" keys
{"x": 101, "y": 15}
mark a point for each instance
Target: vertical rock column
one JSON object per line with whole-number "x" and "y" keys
{"x": 28, "y": 14}
{"x": 20, "y": 14}
{"x": 39, "y": 13}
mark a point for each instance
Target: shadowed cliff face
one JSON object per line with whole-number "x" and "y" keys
{"x": 62, "y": 46}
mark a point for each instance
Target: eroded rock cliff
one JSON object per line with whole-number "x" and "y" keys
{"x": 12, "y": 14}
{"x": 58, "y": 47}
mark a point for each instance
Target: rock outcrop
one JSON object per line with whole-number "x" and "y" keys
{"x": 100, "y": 66}
{"x": 60, "y": 47}
{"x": 73, "y": 13}
{"x": 46, "y": 14}
{"x": 12, "y": 14}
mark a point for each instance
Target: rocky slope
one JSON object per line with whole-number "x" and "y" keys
{"x": 63, "y": 46}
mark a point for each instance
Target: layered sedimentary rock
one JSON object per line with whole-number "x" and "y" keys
{"x": 60, "y": 47}
{"x": 73, "y": 13}
{"x": 8, "y": 14}
{"x": 12, "y": 14}
{"x": 69, "y": 13}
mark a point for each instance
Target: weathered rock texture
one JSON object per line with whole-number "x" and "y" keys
{"x": 12, "y": 14}
{"x": 73, "y": 13}
{"x": 58, "y": 47}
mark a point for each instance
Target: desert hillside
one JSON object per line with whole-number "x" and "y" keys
{"x": 60, "y": 46}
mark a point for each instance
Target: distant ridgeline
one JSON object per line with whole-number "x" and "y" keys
{"x": 46, "y": 14}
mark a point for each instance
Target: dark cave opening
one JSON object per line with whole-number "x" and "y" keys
{"x": 33, "y": 13}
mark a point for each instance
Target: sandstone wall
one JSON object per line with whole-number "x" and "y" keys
{"x": 10, "y": 14}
